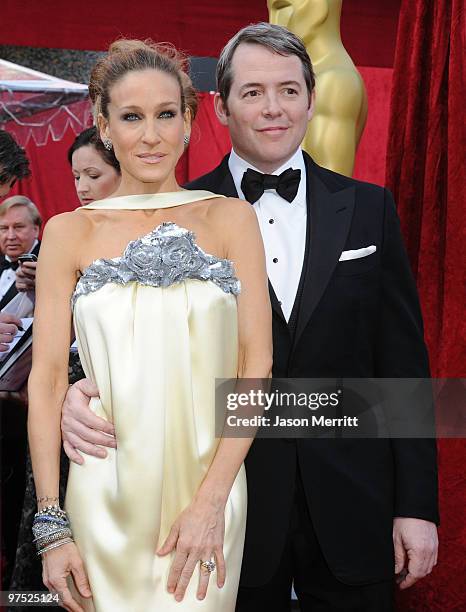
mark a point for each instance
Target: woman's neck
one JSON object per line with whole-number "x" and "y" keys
{"x": 131, "y": 186}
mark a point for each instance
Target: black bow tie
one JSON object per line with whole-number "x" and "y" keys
{"x": 6, "y": 265}
{"x": 285, "y": 184}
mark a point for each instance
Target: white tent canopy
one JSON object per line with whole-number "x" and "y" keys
{"x": 20, "y": 78}
{"x": 38, "y": 105}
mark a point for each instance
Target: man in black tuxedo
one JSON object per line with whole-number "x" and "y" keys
{"x": 324, "y": 514}
{"x": 20, "y": 224}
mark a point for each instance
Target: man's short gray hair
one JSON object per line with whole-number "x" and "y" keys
{"x": 19, "y": 200}
{"x": 274, "y": 37}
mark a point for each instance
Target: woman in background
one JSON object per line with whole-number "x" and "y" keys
{"x": 97, "y": 175}
{"x": 95, "y": 169}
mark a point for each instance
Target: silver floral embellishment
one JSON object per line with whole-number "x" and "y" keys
{"x": 142, "y": 259}
{"x": 167, "y": 255}
{"x": 179, "y": 252}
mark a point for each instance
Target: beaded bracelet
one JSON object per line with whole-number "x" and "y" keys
{"x": 51, "y": 528}
{"x": 43, "y": 545}
{"x": 54, "y": 511}
{"x": 55, "y": 545}
{"x": 42, "y": 527}
{"x": 56, "y": 535}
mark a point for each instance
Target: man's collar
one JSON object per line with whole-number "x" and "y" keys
{"x": 238, "y": 167}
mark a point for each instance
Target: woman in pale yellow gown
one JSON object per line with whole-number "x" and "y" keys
{"x": 169, "y": 292}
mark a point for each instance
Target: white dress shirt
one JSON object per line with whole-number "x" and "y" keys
{"x": 283, "y": 228}
{"x": 7, "y": 278}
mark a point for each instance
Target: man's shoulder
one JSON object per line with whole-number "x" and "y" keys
{"x": 336, "y": 182}
{"x": 211, "y": 179}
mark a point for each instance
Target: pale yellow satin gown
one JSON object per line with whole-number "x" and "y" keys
{"x": 154, "y": 353}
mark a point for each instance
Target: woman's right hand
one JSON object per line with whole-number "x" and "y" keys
{"x": 59, "y": 563}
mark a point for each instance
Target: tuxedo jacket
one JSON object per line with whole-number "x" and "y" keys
{"x": 12, "y": 291}
{"x": 357, "y": 318}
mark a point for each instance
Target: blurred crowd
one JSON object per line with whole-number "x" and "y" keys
{"x": 96, "y": 174}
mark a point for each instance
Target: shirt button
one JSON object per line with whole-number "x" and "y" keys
{"x": 280, "y": 303}
{"x": 271, "y": 221}
{"x": 275, "y": 260}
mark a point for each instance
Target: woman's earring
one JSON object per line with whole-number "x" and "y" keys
{"x": 186, "y": 140}
{"x": 108, "y": 144}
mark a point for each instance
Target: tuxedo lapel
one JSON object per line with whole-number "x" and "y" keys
{"x": 223, "y": 183}
{"x": 276, "y": 304}
{"x": 9, "y": 295}
{"x": 329, "y": 220}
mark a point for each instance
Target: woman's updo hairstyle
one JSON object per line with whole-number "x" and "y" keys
{"x": 126, "y": 56}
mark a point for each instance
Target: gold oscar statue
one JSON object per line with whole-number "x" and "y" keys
{"x": 341, "y": 102}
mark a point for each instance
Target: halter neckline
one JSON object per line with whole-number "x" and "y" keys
{"x": 168, "y": 199}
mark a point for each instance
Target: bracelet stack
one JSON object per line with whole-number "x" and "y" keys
{"x": 51, "y": 529}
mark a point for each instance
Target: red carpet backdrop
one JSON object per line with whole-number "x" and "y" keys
{"x": 414, "y": 142}
{"x": 425, "y": 159}
{"x": 198, "y": 28}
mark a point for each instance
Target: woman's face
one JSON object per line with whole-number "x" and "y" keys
{"x": 146, "y": 127}
{"x": 94, "y": 179}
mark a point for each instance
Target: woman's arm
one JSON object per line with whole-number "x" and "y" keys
{"x": 48, "y": 382}
{"x": 199, "y": 532}
{"x": 245, "y": 248}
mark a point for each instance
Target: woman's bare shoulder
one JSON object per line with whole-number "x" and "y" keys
{"x": 72, "y": 225}
{"x": 227, "y": 211}
{"x": 235, "y": 225}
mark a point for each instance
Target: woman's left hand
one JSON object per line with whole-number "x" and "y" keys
{"x": 197, "y": 535}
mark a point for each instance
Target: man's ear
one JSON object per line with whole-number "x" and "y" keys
{"x": 221, "y": 109}
{"x": 102, "y": 126}
{"x": 312, "y": 103}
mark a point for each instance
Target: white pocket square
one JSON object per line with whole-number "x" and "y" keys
{"x": 358, "y": 253}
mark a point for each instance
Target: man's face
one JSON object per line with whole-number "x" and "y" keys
{"x": 268, "y": 107}
{"x": 17, "y": 232}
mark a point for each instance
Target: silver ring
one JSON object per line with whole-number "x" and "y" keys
{"x": 208, "y": 565}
